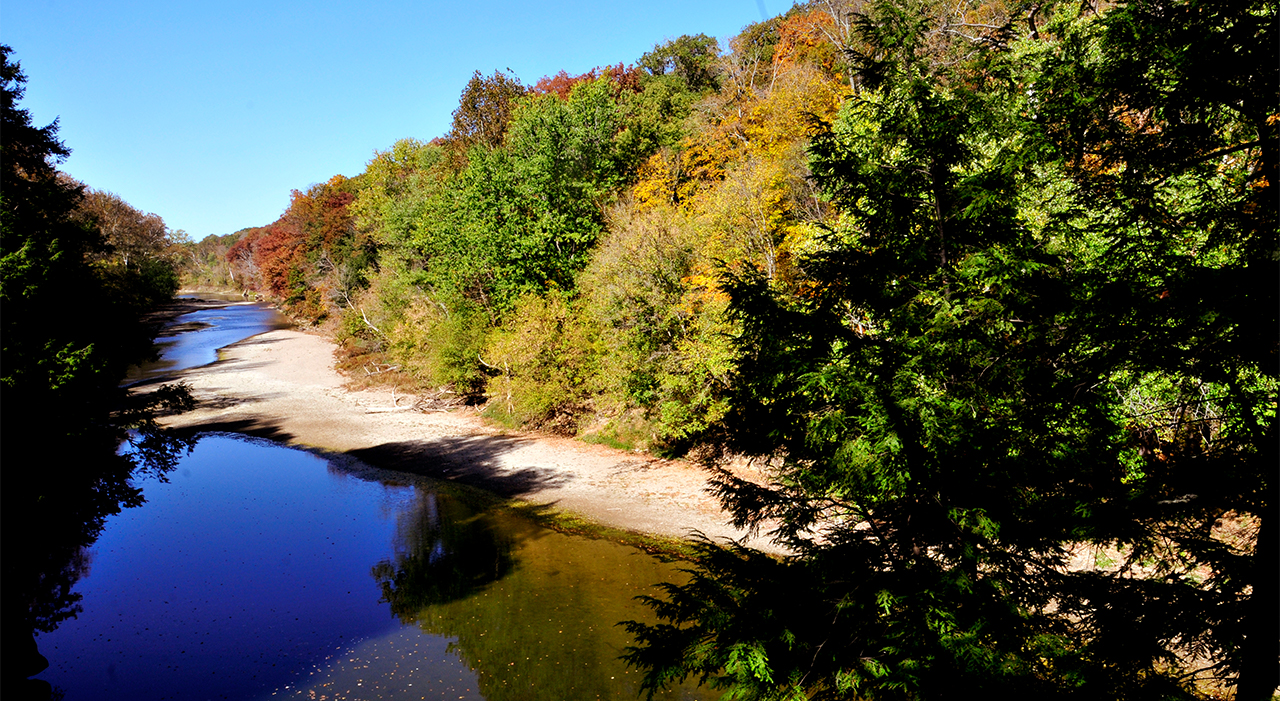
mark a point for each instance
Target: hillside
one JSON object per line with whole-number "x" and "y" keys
{"x": 979, "y": 285}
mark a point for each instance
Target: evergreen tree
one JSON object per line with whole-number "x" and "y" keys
{"x": 1042, "y": 336}
{"x": 68, "y": 333}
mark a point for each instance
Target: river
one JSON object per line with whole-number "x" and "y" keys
{"x": 210, "y": 330}
{"x": 257, "y": 571}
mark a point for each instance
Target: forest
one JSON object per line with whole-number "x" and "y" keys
{"x": 988, "y": 290}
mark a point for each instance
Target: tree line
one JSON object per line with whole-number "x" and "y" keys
{"x": 986, "y": 291}
{"x": 79, "y": 271}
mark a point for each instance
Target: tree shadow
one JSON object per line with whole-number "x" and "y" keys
{"x": 255, "y": 426}
{"x": 470, "y": 460}
{"x": 255, "y": 340}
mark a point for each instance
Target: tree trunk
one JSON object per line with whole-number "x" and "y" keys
{"x": 1260, "y": 663}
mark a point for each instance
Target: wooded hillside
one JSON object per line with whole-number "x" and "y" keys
{"x": 989, "y": 288}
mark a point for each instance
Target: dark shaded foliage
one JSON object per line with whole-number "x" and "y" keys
{"x": 1046, "y": 324}
{"x": 69, "y": 329}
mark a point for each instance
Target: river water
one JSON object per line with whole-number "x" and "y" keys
{"x": 218, "y": 328}
{"x": 256, "y": 571}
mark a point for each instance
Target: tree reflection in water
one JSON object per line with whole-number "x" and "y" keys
{"x": 62, "y": 512}
{"x": 444, "y": 552}
{"x": 533, "y": 612}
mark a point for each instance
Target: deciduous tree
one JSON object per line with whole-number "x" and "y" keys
{"x": 689, "y": 58}
{"x": 1038, "y": 333}
{"x": 130, "y": 235}
{"x": 484, "y": 111}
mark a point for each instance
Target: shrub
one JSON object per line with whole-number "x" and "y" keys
{"x": 542, "y": 359}
{"x": 439, "y": 346}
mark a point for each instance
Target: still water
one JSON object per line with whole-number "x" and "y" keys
{"x": 215, "y": 329}
{"x": 258, "y": 572}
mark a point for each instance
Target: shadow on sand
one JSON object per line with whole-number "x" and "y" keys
{"x": 471, "y": 460}
{"x": 255, "y": 426}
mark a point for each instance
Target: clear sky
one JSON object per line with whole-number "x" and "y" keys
{"x": 209, "y": 113}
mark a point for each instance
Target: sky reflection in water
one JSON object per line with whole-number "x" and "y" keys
{"x": 259, "y": 571}
{"x": 226, "y": 325}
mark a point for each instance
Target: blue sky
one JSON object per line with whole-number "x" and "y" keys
{"x": 208, "y": 114}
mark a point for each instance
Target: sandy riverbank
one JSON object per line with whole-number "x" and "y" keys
{"x": 282, "y": 385}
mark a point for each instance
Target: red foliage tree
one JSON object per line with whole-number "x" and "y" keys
{"x": 624, "y": 78}
{"x": 276, "y": 254}
{"x": 310, "y": 251}
{"x": 242, "y": 262}
{"x": 561, "y": 83}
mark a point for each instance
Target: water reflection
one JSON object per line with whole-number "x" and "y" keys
{"x": 533, "y": 612}
{"x": 258, "y": 571}
{"x": 248, "y": 566}
{"x": 203, "y": 332}
{"x": 444, "y": 552}
{"x": 549, "y": 629}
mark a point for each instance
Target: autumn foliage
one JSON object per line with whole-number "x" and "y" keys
{"x": 437, "y": 253}
{"x": 304, "y": 258}
{"x": 624, "y": 78}
{"x": 810, "y": 235}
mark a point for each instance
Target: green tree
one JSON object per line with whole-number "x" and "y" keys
{"x": 68, "y": 329}
{"x": 394, "y": 187}
{"x": 523, "y": 218}
{"x": 569, "y": 167}
{"x": 1042, "y": 329}
{"x": 1165, "y": 115}
{"x": 692, "y": 59}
